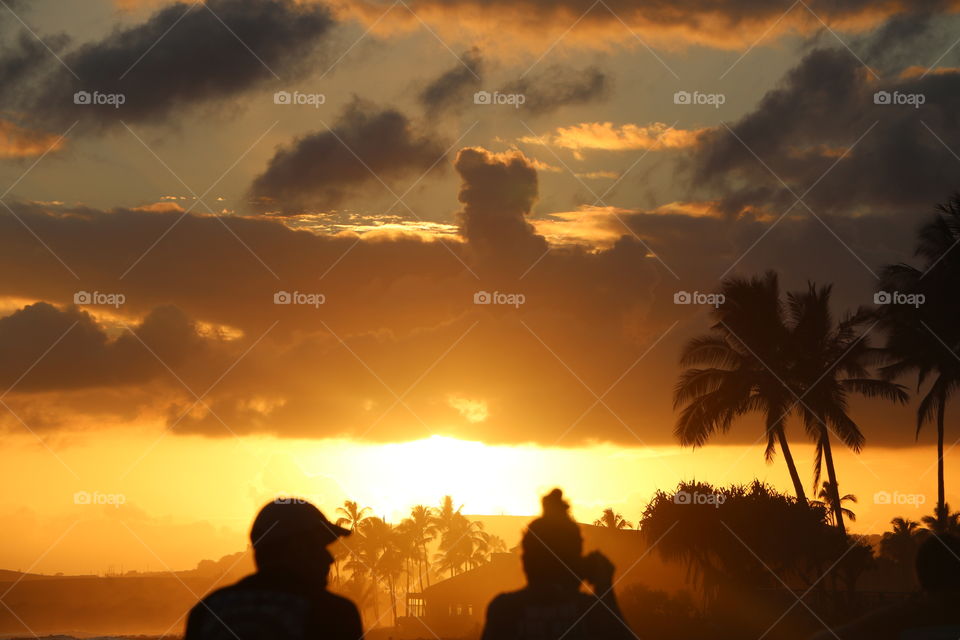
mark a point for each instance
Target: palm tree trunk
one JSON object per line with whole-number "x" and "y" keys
{"x": 420, "y": 572}
{"x": 941, "y": 497}
{"x": 426, "y": 563}
{"x": 376, "y": 597}
{"x": 393, "y": 599}
{"x": 832, "y": 475}
{"x": 791, "y": 465}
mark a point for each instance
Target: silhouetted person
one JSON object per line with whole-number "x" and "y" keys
{"x": 935, "y": 615}
{"x": 287, "y": 597}
{"x": 552, "y": 606}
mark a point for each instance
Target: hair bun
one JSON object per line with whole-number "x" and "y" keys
{"x": 554, "y": 506}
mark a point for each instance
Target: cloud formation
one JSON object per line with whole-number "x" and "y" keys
{"x": 183, "y": 55}
{"x": 364, "y": 146}
{"x": 453, "y": 89}
{"x": 17, "y": 142}
{"x": 606, "y": 136}
{"x": 560, "y": 85}
{"x": 729, "y": 24}
{"x": 401, "y": 316}
{"x": 888, "y": 151}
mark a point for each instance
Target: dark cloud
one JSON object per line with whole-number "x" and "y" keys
{"x": 558, "y": 86}
{"x": 806, "y": 125}
{"x": 46, "y": 348}
{"x": 183, "y": 55}
{"x": 322, "y": 168}
{"x": 498, "y": 192}
{"x": 25, "y": 56}
{"x": 728, "y": 24}
{"x": 405, "y": 311}
{"x": 454, "y": 89}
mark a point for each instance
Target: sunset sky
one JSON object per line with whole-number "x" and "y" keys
{"x": 389, "y": 251}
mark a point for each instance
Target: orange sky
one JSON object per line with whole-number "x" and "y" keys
{"x": 172, "y": 501}
{"x": 484, "y": 291}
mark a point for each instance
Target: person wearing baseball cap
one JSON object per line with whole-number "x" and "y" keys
{"x": 287, "y": 597}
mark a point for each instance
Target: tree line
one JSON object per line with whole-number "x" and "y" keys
{"x": 788, "y": 356}
{"x": 380, "y": 558}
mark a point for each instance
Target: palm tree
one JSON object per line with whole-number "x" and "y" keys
{"x": 459, "y": 537}
{"x": 830, "y": 361}
{"x": 423, "y": 527}
{"x": 612, "y": 520}
{"x": 900, "y": 545}
{"x": 457, "y": 544}
{"x": 744, "y": 360}
{"x": 374, "y": 554}
{"x": 826, "y": 501}
{"x": 351, "y": 514}
{"x": 942, "y": 521}
{"x": 446, "y": 515}
{"x": 924, "y": 339}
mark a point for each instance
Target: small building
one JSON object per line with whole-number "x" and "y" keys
{"x": 454, "y": 608}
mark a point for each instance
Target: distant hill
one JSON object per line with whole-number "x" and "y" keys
{"x": 135, "y": 603}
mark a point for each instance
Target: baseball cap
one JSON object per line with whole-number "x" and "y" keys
{"x": 284, "y": 519}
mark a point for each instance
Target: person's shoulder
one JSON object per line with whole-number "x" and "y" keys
{"x": 218, "y": 594}
{"x": 508, "y": 598}
{"x": 330, "y": 606}
{"x": 200, "y": 613}
{"x": 336, "y": 602}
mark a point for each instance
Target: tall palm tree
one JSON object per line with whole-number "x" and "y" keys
{"x": 924, "y": 340}
{"x": 374, "y": 555}
{"x": 744, "y": 363}
{"x": 830, "y": 360}
{"x": 446, "y": 514}
{"x": 459, "y": 539}
{"x": 423, "y": 527}
{"x": 351, "y": 514}
{"x": 612, "y": 520}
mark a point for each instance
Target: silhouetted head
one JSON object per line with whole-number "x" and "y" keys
{"x": 291, "y": 536}
{"x": 938, "y": 563}
{"x": 552, "y": 545}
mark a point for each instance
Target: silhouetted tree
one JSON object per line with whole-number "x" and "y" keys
{"x": 831, "y": 360}
{"x": 745, "y": 361}
{"x": 742, "y": 537}
{"x": 924, "y": 339}
{"x": 612, "y": 520}
{"x": 900, "y": 545}
{"x": 942, "y": 521}
{"x": 458, "y": 540}
{"x": 422, "y": 525}
{"x": 826, "y": 497}
{"x": 484, "y": 544}
{"x": 351, "y": 514}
